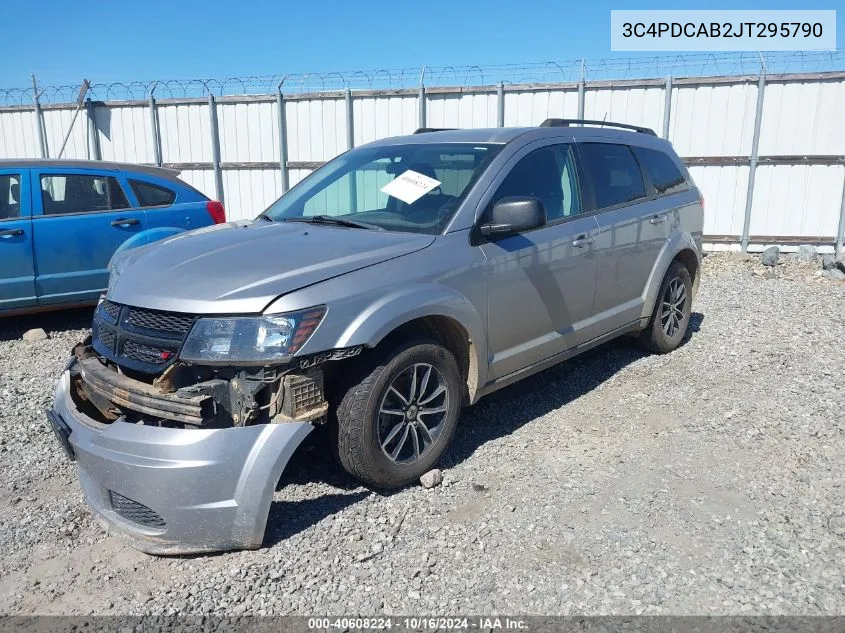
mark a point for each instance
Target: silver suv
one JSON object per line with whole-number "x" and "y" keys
{"x": 400, "y": 282}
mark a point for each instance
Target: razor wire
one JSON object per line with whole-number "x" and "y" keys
{"x": 686, "y": 65}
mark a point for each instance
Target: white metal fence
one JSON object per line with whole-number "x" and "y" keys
{"x": 768, "y": 150}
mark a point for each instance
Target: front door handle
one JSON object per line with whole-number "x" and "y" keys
{"x": 125, "y": 221}
{"x": 6, "y": 234}
{"x": 583, "y": 240}
{"x": 657, "y": 219}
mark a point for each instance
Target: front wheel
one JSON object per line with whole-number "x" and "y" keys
{"x": 395, "y": 422}
{"x": 672, "y": 311}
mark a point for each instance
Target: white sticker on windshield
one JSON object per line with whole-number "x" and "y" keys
{"x": 410, "y": 186}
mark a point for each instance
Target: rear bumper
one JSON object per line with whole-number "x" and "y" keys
{"x": 174, "y": 491}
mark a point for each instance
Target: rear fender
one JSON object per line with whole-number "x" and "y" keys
{"x": 676, "y": 243}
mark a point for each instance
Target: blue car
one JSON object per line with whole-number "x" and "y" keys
{"x": 62, "y": 220}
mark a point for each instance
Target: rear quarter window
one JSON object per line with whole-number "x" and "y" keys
{"x": 150, "y": 195}
{"x": 665, "y": 174}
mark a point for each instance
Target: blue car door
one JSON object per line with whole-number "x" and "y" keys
{"x": 17, "y": 276}
{"x": 80, "y": 217}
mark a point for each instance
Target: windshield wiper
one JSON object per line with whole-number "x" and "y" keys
{"x": 327, "y": 219}
{"x": 264, "y": 216}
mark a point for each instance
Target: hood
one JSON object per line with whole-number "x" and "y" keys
{"x": 240, "y": 268}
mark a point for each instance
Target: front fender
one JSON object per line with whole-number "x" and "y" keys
{"x": 676, "y": 243}
{"x": 401, "y": 305}
{"x": 148, "y": 237}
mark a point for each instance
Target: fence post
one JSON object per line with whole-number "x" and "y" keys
{"x": 94, "y": 150}
{"x": 350, "y": 121}
{"x": 582, "y": 89}
{"x": 39, "y": 121}
{"x": 350, "y": 143}
{"x": 283, "y": 138}
{"x": 500, "y": 92}
{"x": 840, "y": 234}
{"x": 752, "y": 163}
{"x": 215, "y": 149}
{"x": 155, "y": 129}
{"x": 421, "y": 100}
{"x": 667, "y": 106}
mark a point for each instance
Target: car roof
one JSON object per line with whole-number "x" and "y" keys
{"x": 475, "y": 135}
{"x": 503, "y": 135}
{"x": 150, "y": 170}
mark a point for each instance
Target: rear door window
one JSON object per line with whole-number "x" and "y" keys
{"x": 150, "y": 195}
{"x": 612, "y": 173}
{"x": 81, "y": 193}
{"x": 10, "y": 196}
{"x": 665, "y": 174}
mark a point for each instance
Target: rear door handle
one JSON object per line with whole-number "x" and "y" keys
{"x": 657, "y": 219}
{"x": 6, "y": 234}
{"x": 125, "y": 221}
{"x": 583, "y": 240}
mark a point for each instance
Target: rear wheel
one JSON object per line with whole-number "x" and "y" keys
{"x": 396, "y": 420}
{"x": 672, "y": 312}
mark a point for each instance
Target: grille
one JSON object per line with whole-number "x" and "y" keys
{"x": 174, "y": 322}
{"x": 146, "y": 353}
{"x": 138, "y": 338}
{"x": 135, "y": 512}
{"x": 107, "y": 337}
{"x": 111, "y": 309}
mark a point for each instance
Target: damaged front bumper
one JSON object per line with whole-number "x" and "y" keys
{"x": 177, "y": 491}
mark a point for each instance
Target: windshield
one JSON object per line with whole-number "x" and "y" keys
{"x": 413, "y": 188}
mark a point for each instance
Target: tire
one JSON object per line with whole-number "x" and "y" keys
{"x": 667, "y": 327}
{"x": 362, "y": 428}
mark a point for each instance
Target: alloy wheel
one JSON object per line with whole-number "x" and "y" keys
{"x": 412, "y": 413}
{"x": 673, "y": 306}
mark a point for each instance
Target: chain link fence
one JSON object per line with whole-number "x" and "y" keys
{"x": 687, "y": 65}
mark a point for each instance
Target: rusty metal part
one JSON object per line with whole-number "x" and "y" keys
{"x": 295, "y": 397}
{"x": 105, "y": 406}
{"x": 165, "y": 381}
{"x": 138, "y": 396}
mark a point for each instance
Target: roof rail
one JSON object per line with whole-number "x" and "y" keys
{"x": 423, "y": 130}
{"x": 570, "y": 122}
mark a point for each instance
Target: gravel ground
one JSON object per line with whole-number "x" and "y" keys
{"x": 705, "y": 481}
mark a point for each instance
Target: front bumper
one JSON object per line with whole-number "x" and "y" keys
{"x": 178, "y": 491}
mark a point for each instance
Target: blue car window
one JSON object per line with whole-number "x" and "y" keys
{"x": 81, "y": 193}
{"x": 150, "y": 195}
{"x": 10, "y": 196}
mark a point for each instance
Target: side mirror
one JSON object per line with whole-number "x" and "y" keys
{"x": 512, "y": 215}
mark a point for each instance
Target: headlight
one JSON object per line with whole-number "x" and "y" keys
{"x": 274, "y": 338}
